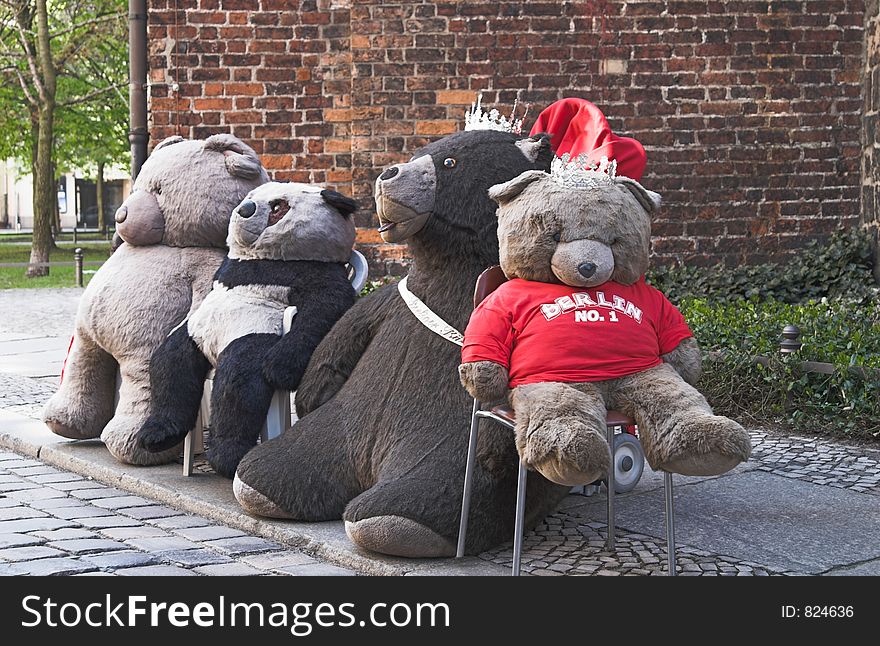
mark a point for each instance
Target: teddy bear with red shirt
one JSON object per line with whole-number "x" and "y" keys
{"x": 576, "y": 330}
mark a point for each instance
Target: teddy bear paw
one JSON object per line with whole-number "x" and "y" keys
{"x": 708, "y": 446}
{"x": 66, "y": 421}
{"x": 567, "y": 452}
{"x": 159, "y": 435}
{"x": 256, "y": 503}
{"x": 120, "y": 438}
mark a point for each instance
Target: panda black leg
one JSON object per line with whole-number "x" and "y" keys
{"x": 239, "y": 400}
{"x": 177, "y": 377}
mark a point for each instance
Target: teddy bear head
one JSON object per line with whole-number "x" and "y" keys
{"x": 580, "y": 231}
{"x": 186, "y": 190}
{"x": 290, "y": 221}
{"x": 438, "y": 199}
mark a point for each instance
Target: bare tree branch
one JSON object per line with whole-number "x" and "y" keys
{"x": 90, "y": 95}
{"x": 31, "y": 61}
{"x": 25, "y": 89}
{"x": 85, "y": 23}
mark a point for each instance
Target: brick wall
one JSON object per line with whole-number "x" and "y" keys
{"x": 750, "y": 111}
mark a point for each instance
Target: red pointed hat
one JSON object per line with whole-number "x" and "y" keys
{"x": 579, "y": 127}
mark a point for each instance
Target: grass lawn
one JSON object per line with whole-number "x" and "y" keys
{"x": 65, "y": 236}
{"x": 14, "y": 277}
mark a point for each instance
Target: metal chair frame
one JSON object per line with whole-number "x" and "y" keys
{"x": 616, "y": 420}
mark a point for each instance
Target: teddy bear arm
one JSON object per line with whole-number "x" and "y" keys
{"x": 686, "y": 359}
{"x": 484, "y": 380}
{"x": 203, "y": 270}
{"x": 314, "y": 319}
{"x": 341, "y": 349}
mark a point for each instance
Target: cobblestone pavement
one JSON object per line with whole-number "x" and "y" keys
{"x": 818, "y": 461}
{"x": 570, "y": 544}
{"x": 25, "y": 395}
{"x": 54, "y": 522}
{"x": 567, "y": 543}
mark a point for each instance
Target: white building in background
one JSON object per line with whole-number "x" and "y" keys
{"x": 77, "y": 197}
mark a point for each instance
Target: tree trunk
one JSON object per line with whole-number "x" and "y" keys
{"x": 44, "y": 183}
{"x": 99, "y": 190}
{"x": 44, "y": 196}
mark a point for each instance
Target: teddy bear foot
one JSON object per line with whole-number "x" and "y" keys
{"x": 567, "y": 452}
{"x": 158, "y": 435}
{"x": 62, "y": 429}
{"x": 707, "y": 447}
{"x": 120, "y": 438}
{"x": 63, "y": 422}
{"x": 224, "y": 457}
{"x": 255, "y": 503}
{"x": 398, "y": 536}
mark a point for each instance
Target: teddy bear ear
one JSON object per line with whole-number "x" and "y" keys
{"x": 168, "y": 141}
{"x": 241, "y": 160}
{"x": 503, "y": 193}
{"x": 533, "y": 146}
{"x": 342, "y": 203}
{"x": 649, "y": 200}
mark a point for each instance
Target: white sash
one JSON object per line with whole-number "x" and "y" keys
{"x": 426, "y": 315}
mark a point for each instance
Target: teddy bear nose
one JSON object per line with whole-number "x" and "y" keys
{"x": 121, "y": 214}
{"x": 247, "y": 208}
{"x": 587, "y": 269}
{"x": 388, "y": 173}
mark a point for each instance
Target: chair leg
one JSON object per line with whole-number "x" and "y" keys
{"x": 277, "y": 417}
{"x": 610, "y": 485}
{"x": 189, "y": 451}
{"x": 520, "y": 518}
{"x": 670, "y": 523}
{"x": 468, "y": 481}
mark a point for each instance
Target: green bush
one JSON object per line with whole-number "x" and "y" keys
{"x": 737, "y": 314}
{"x": 779, "y": 391}
{"x": 839, "y": 267}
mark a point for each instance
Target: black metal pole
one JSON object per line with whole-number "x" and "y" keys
{"x": 138, "y": 136}
{"x": 78, "y": 266}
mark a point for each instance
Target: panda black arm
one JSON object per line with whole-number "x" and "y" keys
{"x": 341, "y": 350}
{"x": 320, "y": 303}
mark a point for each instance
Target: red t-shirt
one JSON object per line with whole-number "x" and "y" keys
{"x": 548, "y": 332}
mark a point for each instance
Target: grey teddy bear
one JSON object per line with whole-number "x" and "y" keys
{"x": 174, "y": 227}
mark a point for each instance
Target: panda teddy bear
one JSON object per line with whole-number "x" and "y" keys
{"x": 288, "y": 245}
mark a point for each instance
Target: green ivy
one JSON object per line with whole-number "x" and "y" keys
{"x": 839, "y": 267}
{"x": 844, "y": 333}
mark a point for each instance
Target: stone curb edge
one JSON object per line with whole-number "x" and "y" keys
{"x": 283, "y": 533}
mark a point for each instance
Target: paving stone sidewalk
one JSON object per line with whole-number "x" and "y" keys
{"x": 54, "y": 522}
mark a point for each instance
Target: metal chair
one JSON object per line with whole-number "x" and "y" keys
{"x": 278, "y": 417}
{"x": 488, "y": 282}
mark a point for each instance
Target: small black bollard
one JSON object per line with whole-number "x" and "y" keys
{"x": 790, "y": 342}
{"x": 74, "y": 236}
{"x": 78, "y": 259}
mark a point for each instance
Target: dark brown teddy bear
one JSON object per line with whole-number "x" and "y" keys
{"x": 383, "y": 428}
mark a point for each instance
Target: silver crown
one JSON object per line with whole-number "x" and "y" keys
{"x": 478, "y": 119}
{"x": 580, "y": 173}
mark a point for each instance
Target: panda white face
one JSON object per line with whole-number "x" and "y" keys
{"x": 290, "y": 221}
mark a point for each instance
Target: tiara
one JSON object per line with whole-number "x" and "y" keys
{"x": 478, "y": 119}
{"x": 579, "y": 172}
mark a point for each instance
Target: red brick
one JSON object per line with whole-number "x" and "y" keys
{"x": 717, "y": 92}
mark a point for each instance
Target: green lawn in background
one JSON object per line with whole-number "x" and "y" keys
{"x": 14, "y": 277}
